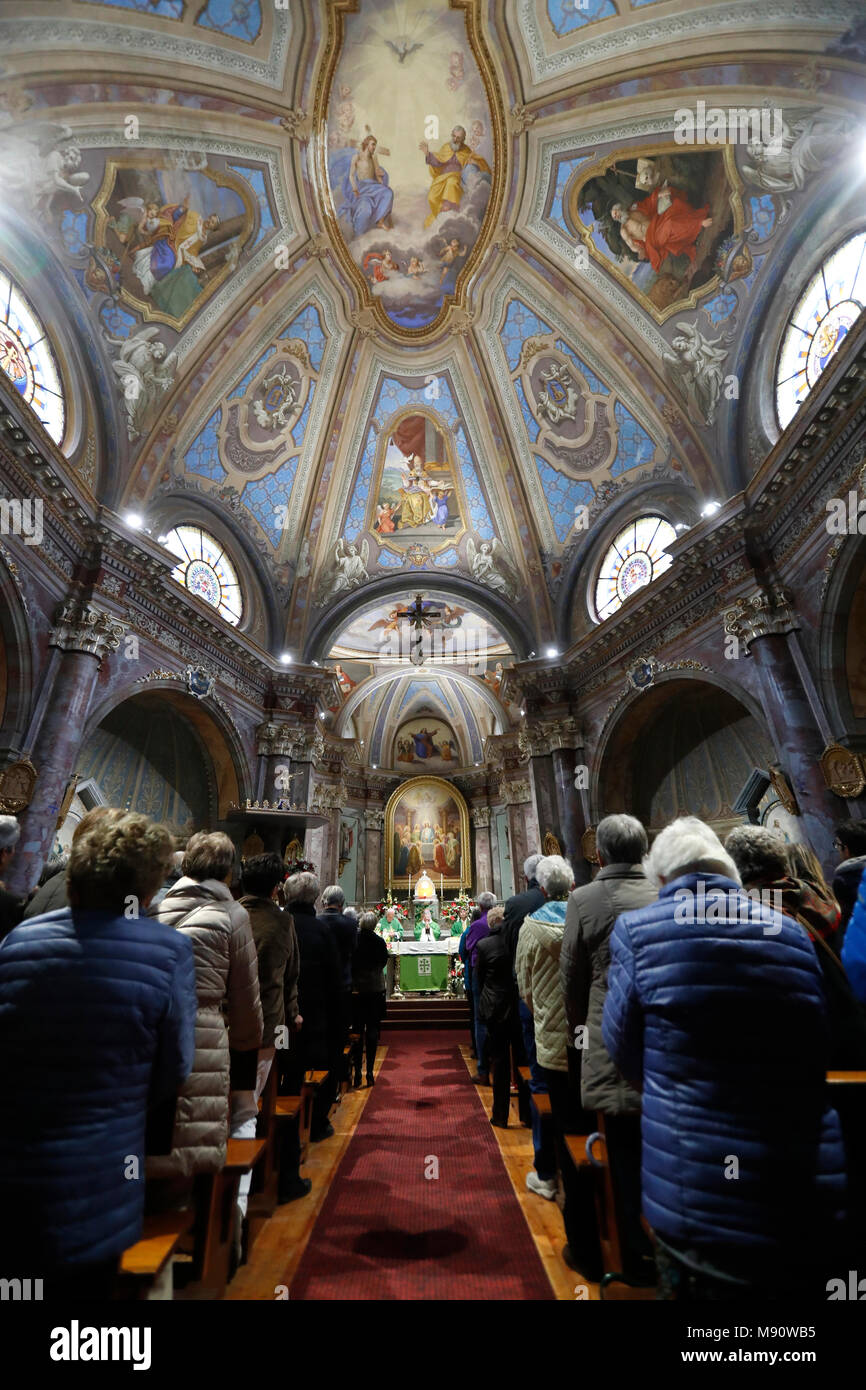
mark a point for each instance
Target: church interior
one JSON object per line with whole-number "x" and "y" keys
{"x": 432, "y": 442}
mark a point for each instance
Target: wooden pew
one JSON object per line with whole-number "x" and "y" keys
{"x": 216, "y": 1196}
{"x": 143, "y": 1263}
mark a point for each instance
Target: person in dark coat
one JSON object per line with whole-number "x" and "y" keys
{"x": 98, "y": 1010}
{"x": 320, "y": 1000}
{"x": 279, "y": 967}
{"x": 619, "y": 886}
{"x": 522, "y": 905}
{"x": 850, "y": 842}
{"x": 710, "y": 997}
{"x": 497, "y": 1008}
{"x": 343, "y": 926}
{"x": 369, "y": 962}
{"x": 11, "y": 906}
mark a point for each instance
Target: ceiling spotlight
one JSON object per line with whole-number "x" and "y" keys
{"x": 711, "y": 508}
{"x": 314, "y": 663}
{"x": 477, "y": 764}
{"x": 374, "y": 766}
{"x": 681, "y": 526}
{"x": 523, "y": 711}
{"x": 531, "y": 655}
{"x": 321, "y": 714}
{"x": 135, "y": 520}
{"x": 162, "y": 539}
{"x": 287, "y": 658}
{"x": 551, "y": 652}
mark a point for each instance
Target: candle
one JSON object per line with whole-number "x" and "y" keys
{"x": 440, "y": 885}
{"x": 410, "y": 885}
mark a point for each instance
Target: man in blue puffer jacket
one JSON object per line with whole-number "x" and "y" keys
{"x": 97, "y": 1018}
{"x": 715, "y": 1009}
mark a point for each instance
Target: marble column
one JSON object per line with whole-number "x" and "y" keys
{"x": 374, "y": 854}
{"x": 81, "y": 639}
{"x": 483, "y": 857}
{"x": 765, "y": 623}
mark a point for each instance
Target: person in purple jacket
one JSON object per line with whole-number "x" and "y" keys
{"x": 476, "y": 933}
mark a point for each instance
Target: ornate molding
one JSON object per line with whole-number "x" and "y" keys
{"x": 844, "y": 771}
{"x": 515, "y": 791}
{"x": 764, "y": 613}
{"x": 481, "y": 816}
{"x": 81, "y": 627}
{"x": 374, "y": 818}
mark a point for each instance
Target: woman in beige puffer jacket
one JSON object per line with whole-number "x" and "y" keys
{"x": 229, "y": 1007}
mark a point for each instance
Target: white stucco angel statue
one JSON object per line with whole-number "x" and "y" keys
{"x": 784, "y": 163}
{"x": 37, "y": 160}
{"x": 490, "y": 564}
{"x": 144, "y": 373}
{"x": 697, "y": 362}
{"x": 350, "y": 568}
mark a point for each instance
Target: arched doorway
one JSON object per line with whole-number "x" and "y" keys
{"x": 685, "y": 747}
{"x": 159, "y": 752}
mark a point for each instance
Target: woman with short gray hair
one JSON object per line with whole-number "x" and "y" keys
{"x": 369, "y": 961}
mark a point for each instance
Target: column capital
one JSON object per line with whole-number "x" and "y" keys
{"x": 763, "y": 613}
{"x": 515, "y": 790}
{"x": 481, "y": 817}
{"x": 374, "y": 818}
{"x": 82, "y": 627}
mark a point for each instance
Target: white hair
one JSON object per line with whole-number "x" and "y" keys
{"x": 302, "y": 887}
{"x": 333, "y": 895}
{"x": 687, "y": 845}
{"x": 9, "y": 832}
{"x": 555, "y": 875}
{"x": 486, "y": 900}
{"x": 620, "y": 840}
{"x": 530, "y": 865}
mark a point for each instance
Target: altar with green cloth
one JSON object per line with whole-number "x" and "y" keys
{"x": 424, "y": 965}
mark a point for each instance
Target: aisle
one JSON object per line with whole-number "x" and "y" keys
{"x": 389, "y": 1228}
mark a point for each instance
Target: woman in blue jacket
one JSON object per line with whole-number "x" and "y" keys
{"x": 97, "y": 1009}
{"x": 710, "y": 998}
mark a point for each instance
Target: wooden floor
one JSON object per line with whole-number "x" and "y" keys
{"x": 278, "y": 1250}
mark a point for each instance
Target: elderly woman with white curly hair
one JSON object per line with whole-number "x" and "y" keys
{"x": 710, "y": 998}
{"x": 537, "y": 965}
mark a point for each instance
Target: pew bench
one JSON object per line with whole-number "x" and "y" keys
{"x": 216, "y": 1196}
{"x": 143, "y": 1265}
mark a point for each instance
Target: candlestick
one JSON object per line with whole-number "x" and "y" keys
{"x": 410, "y": 885}
{"x": 440, "y": 887}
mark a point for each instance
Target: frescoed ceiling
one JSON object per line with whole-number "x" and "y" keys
{"x": 419, "y": 295}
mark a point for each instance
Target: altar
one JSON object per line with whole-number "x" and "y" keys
{"x": 424, "y": 965}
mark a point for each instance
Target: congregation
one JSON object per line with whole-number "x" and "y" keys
{"x": 687, "y": 1003}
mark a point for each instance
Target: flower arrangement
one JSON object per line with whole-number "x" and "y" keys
{"x": 450, "y": 912}
{"x": 399, "y": 910}
{"x": 299, "y": 866}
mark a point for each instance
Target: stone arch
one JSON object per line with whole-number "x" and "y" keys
{"x": 226, "y": 765}
{"x": 16, "y": 659}
{"x": 685, "y": 746}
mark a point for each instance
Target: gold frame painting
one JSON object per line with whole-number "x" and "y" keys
{"x": 597, "y": 167}
{"x": 438, "y": 786}
{"x": 151, "y": 160}
{"x": 399, "y": 541}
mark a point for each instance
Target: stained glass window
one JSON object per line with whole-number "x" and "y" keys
{"x": 825, "y": 314}
{"x": 205, "y": 569}
{"x": 27, "y": 358}
{"x": 636, "y": 557}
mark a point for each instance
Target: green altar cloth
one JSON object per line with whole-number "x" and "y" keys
{"x": 423, "y": 972}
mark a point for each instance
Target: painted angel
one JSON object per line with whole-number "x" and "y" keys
{"x": 491, "y": 565}
{"x": 38, "y": 161}
{"x": 144, "y": 373}
{"x": 697, "y": 362}
{"x": 350, "y": 567}
{"x": 785, "y": 162}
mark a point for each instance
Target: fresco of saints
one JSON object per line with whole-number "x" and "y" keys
{"x": 440, "y": 863}
{"x": 166, "y": 248}
{"x": 414, "y": 860}
{"x": 417, "y": 505}
{"x": 367, "y": 194}
{"x": 663, "y": 224}
{"x": 446, "y": 172}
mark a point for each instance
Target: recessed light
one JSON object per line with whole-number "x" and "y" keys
{"x": 711, "y": 508}
{"x": 135, "y": 520}
{"x": 551, "y": 652}
{"x": 286, "y": 658}
{"x": 374, "y": 766}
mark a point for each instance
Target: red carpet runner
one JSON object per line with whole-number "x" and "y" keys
{"x": 385, "y": 1230}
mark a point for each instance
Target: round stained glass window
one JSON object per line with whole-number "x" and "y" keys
{"x": 635, "y": 558}
{"x": 27, "y": 358}
{"x": 826, "y": 312}
{"x": 205, "y": 569}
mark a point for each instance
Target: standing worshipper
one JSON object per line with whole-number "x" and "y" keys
{"x": 11, "y": 906}
{"x": 542, "y": 1179}
{"x": 476, "y": 933}
{"x": 217, "y": 1099}
{"x": 320, "y": 1000}
{"x": 98, "y": 1010}
{"x": 368, "y": 993}
{"x": 619, "y": 886}
{"x": 336, "y": 918}
{"x": 497, "y": 1006}
{"x": 538, "y": 952}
